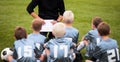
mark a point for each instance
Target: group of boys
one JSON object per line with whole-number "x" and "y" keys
{"x": 63, "y": 47}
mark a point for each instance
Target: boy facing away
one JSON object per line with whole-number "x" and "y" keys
{"x": 71, "y": 32}
{"x": 59, "y": 49}
{"x": 91, "y": 39}
{"x": 107, "y": 50}
{"x": 23, "y": 48}
{"x": 37, "y": 37}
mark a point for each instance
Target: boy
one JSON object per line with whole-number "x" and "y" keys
{"x": 23, "y": 48}
{"x": 59, "y": 49}
{"x": 107, "y": 49}
{"x": 71, "y": 32}
{"x": 91, "y": 39}
{"x": 37, "y": 37}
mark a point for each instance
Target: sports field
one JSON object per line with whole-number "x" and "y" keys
{"x": 13, "y": 13}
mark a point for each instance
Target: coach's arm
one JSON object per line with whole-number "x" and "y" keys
{"x": 30, "y": 9}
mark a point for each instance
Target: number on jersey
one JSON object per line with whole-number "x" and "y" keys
{"x": 113, "y": 55}
{"x": 27, "y": 51}
{"x": 62, "y": 47}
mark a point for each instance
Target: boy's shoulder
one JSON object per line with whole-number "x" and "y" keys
{"x": 75, "y": 29}
{"x": 72, "y": 29}
{"x": 112, "y": 40}
{"x": 93, "y": 31}
{"x": 27, "y": 41}
{"x": 62, "y": 40}
{"x": 109, "y": 43}
{"x": 35, "y": 35}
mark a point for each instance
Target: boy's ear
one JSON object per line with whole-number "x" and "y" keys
{"x": 31, "y": 27}
{"x": 14, "y": 37}
{"x": 110, "y": 32}
{"x": 93, "y": 26}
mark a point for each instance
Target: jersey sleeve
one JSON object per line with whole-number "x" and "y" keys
{"x": 76, "y": 38}
{"x": 15, "y": 55}
{"x": 38, "y": 50}
{"x": 72, "y": 45}
{"x": 47, "y": 45}
{"x": 88, "y": 36}
{"x": 31, "y": 6}
{"x": 97, "y": 53}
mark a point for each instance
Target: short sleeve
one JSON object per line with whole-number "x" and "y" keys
{"x": 72, "y": 45}
{"x": 47, "y": 45}
{"x": 97, "y": 53}
{"x": 15, "y": 56}
{"x": 88, "y": 36}
{"x": 76, "y": 38}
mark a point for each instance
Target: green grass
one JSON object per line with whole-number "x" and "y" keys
{"x": 13, "y": 13}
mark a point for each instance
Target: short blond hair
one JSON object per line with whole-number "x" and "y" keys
{"x": 59, "y": 29}
{"x": 68, "y": 16}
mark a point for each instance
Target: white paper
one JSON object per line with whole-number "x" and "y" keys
{"x": 47, "y": 27}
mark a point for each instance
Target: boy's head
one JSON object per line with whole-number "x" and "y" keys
{"x": 59, "y": 30}
{"x": 96, "y": 21}
{"x": 103, "y": 29}
{"x": 68, "y": 16}
{"x": 36, "y": 25}
{"x": 20, "y": 33}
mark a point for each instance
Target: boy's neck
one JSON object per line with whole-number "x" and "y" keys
{"x": 105, "y": 37}
{"x": 35, "y": 32}
{"x": 94, "y": 28}
{"x": 58, "y": 37}
{"x": 68, "y": 25}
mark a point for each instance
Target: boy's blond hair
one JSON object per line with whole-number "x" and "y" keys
{"x": 68, "y": 16}
{"x": 59, "y": 29}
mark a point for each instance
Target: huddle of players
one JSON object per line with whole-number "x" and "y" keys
{"x": 62, "y": 48}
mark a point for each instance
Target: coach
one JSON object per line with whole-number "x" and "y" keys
{"x": 47, "y": 9}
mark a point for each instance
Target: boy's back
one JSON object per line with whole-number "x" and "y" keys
{"x": 73, "y": 33}
{"x": 107, "y": 51}
{"x": 94, "y": 39}
{"x": 24, "y": 50}
{"x": 39, "y": 43}
{"x": 59, "y": 48}
{"x": 37, "y": 38}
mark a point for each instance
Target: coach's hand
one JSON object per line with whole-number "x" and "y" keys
{"x": 54, "y": 22}
{"x": 43, "y": 22}
{"x": 88, "y": 61}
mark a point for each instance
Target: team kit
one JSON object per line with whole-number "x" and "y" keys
{"x": 64, "y": 46}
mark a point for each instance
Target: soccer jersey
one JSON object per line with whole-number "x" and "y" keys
{"x": 72, "y": 33}
{"x": 39, "y": 43}
{"x": 37, "y": 38}
{"x": 59, "y": 48}
{"x": 107, "y": 51}
{"x": 93, "y": 39}
{"x": 24, "y": 50}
